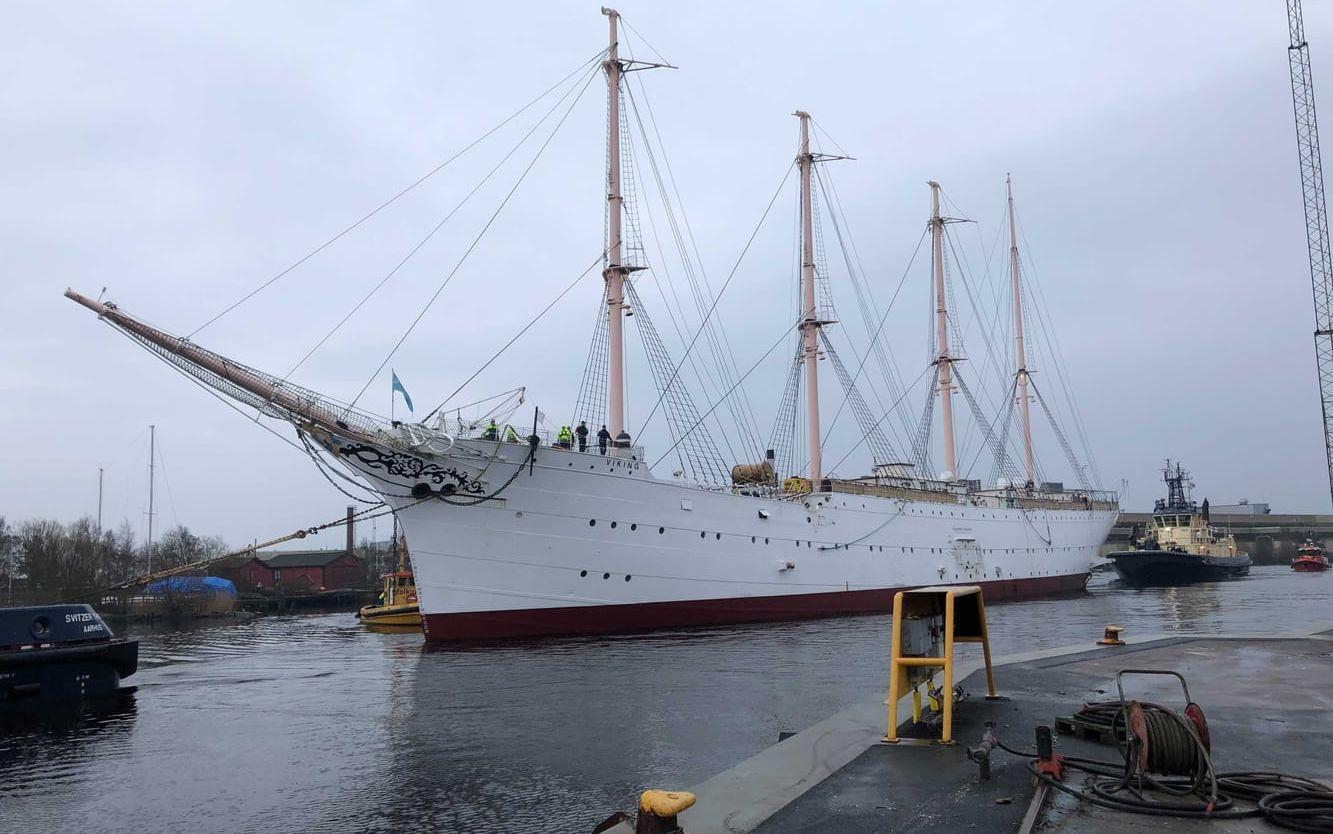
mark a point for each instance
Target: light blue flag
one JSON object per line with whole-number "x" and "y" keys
{"x": 398, "y": 386}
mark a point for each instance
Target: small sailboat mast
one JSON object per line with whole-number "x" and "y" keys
{"x": 943, "y": 359}
{"x": 1019, "y": 351}
{"x": 152, "y": 472}
{"x": 615, "y": 270}
{"x": 810, "y": 323}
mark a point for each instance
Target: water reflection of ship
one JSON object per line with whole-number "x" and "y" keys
{"x": 1189, "y": 608}
{"x": 110, "y": 715}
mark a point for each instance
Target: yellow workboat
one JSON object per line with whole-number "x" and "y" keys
{"x": 397, "y": 609}
{"x": 398, "y": 604}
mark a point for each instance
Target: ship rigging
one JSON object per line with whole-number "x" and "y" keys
{"x": 516, "y": 535}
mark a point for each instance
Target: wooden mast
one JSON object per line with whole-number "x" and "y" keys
{"x": 1020, "y": 353}
{"x": 331, "y": 417}
{"x": 942, "y": 359}
{"x": 810, "y": 322}
{"x": 615, "y": 270}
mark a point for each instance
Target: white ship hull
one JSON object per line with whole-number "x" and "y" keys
{"x": 592, "y": 544}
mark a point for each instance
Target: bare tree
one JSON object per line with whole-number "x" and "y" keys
{"x": 178, "y": 546}
{"x": 61, "y": 563}
{"x": 8, "y": 551}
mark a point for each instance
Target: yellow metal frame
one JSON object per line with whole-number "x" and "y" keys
{"x": 970, "y": 627}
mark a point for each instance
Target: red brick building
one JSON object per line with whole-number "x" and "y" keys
{"x": 312, "y": 570}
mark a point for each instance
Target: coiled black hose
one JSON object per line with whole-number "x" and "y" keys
{"x": 1300, "y": 810}
{"x": 1174, "y": 748}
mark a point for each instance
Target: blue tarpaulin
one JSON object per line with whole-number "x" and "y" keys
{"x": 193, "y": 585}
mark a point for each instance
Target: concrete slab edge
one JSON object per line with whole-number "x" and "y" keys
{"x": 739, "y": 799}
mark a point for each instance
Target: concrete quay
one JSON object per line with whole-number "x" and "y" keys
{"x": 1269, "y": 703}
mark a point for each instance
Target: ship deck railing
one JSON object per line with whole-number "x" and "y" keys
{"x": 550, "y": 439}
{"x": 943, "y": 492}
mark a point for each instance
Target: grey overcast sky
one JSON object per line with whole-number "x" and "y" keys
{"x": 179, "y": 154}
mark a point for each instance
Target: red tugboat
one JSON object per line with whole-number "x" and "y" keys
{"x": 1310, "y": 558}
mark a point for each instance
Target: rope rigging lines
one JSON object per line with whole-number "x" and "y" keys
{"x": 590, "y": 406}
{"x": 420, "y": 244}
{"x": 783, "y": 439}
{"x": 718, "y": 297}
{"x": 411, "y": 187}
{"x": 473, "y": 245}
{"x": 723, "y": 368}
{"x": 880, "y": 449}
{"x": 700, "y": 456}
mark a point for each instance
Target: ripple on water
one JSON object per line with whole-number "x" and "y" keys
{"x": 308, "y": 723}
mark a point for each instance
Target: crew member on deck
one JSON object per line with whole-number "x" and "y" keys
{"x": 492, "y": 431}
{"x": 511, "y": 436}
{"x": 582, "y": 432}
{"x": 564, "y": 438}
{"x": 602, "y": 437}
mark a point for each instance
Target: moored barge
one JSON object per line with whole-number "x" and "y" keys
{"x": 59, "y": 653}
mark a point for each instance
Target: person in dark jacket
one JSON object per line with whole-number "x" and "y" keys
{"x": 603, "y": 437}
{"x": 582, "y": 433}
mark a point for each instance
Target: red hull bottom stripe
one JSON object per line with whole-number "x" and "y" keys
{"x": 646, "y": 616}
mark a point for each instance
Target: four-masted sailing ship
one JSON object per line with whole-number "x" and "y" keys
{"x": 527, "y": 538}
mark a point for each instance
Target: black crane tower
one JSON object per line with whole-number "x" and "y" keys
{"x": 1316, "y": 217}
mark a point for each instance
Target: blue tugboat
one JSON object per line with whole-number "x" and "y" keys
{"x": 1179, "y": 546}
{"x": 52, "y": 654}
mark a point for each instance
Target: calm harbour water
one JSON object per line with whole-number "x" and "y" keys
{"x": 313, "y": 724}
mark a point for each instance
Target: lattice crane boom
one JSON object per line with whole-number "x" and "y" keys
{"x": 1316, "y": 216}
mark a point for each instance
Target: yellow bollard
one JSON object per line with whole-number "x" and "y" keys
{"x": 1111, "y": 637}
{"x": 658, "y": 811}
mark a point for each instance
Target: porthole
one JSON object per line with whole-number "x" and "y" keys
{"x": 633, "y": 527}
{"x": 719, "y": 536}
{"x": 583, "y": 573}
{"x": 765, "y": 539}
{"x": 807, "y": 519}
{"x": 702, "y": 534}
{"x": 606, "y": 576}
{"x": 592, "y": 522}
{"x": 661, "y": 530}
{"x": 752, "y": 540}
{"x": 613, "y": 525}
{"x": 627, "y": 577}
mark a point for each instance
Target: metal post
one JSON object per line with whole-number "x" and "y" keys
{"x": 1316, "y": 215}
{"x": 152, "y": 454}
{"x": 943, "y": 359}
{"x": 946, "y": 707}
{"x": 895, "y": 688}
{"x": 809, "y": 318}
{"x": 1019, "y": 351}
{"x": 99, "y": 500}
{"x": 614, "y": 273}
